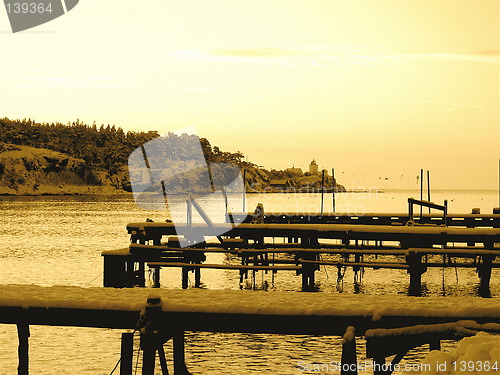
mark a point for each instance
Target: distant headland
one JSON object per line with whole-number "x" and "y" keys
{"x": 80, "y": 159}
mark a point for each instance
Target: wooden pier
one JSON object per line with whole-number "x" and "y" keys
{"x": 453, "y": 220}
{"x": 301, "y": 243}
{"x": 385, "y": 321}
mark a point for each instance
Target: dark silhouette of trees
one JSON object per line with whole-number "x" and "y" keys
{"x": 104, "y": 148}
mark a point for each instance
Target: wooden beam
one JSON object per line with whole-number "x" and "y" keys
{"x": 224, "y": 266}
{"x": 394, "y": 265}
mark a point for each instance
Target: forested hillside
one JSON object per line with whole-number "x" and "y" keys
{"x": 101, "y": 147}
{"x": 100, "y": 152}
{"x": 76, "y": 158}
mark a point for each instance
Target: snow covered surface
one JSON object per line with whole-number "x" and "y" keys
{"x": 478, "y": 354}
{"x": 122, "y": 251}
{"x": 464, "y": 327}
{"x": 353, "y": 228}
{"x": 249, "y": 302}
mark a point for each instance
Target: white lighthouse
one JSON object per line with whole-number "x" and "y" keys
{"x": 313, "y": 167}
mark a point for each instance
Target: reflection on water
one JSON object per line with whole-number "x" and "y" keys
{"x": 58, "y": 241}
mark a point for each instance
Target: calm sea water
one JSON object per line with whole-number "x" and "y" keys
{"x": 58, "y": 241}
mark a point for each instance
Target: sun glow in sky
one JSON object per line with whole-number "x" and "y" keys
{"x": 374, "y": 89}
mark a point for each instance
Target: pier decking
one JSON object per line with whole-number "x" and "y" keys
{"x": 297, "y": 242}
{"x": 371, "y": 218}
{"x": 172, "y": 312}
{"x": 236, "y": 310}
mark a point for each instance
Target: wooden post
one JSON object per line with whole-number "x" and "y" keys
{"x": 305, "y": 275}
{"x": 421, "y": 190}
{"x": 348, "y": 361}
{"x": 126, "y": 354}
{"x": 484, "y": 271}
{"x": 243, "y": 273}
{"x": 156, "y": 276}
{"x": 445, "y": 213}
{"x": 244, "y": 189}
{"x": 334, "y": 187}
{"x": 308, "y": 271}
{"x": 129, "y": 274}
{"x": 226, "y": 204}
{"x": 197, "y": 277}
{"x": 379, "y": 365}
{"x": 189, "y": 213}
{"x": 435, "y": 344}
{"x": 23, "y": 334}
{"x": 410, "y": 210}
{"x": 179, "y": 357}
{"x": 141, "y": 277}
{"x": 429, "y": 189}
{"x": 416, "y": 269}
{"x": 322, "y": 189}
{"x": 185, "y": 281}
{"x": 163, "y": 360}
{"x": 312, "y": 280}
{"x": 114, "y": 271}
{"x": 415, "y": 283}
{"x": 149, "y": 347}
{"x": 151, "y": 337}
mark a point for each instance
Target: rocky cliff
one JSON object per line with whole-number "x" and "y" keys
{"x": 27, "y": 170}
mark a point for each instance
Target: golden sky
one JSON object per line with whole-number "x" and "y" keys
{"x": 370, "y": 88}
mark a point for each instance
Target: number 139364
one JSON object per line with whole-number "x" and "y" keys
{"x": 32, "y": 8}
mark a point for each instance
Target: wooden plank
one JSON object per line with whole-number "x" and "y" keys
{"x": 327, "y": 251}
{"x": 221, "y": 322}
{"x": 304, "y": 215}
{"x": 365, "y": 249}
{"x": 426, "y": 204}
{"x": 401, "y": 266}
{"x": 387, "y": 342}
{"x": 237, "y": 311}
{"x": 335, "y": 231}
{"x": 196, "y": 321}
{"x": 459, "y": 265}
{"x": 464, "y": 220}
{"x": 455, "y": 251}
{"x": 224, "y": 266}
{"x": 395, "y": 265}
{"x": 165, "y": 248}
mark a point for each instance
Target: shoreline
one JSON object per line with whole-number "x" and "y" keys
{"x": 108, "y": 191}
{"x": 67, "y": 190}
